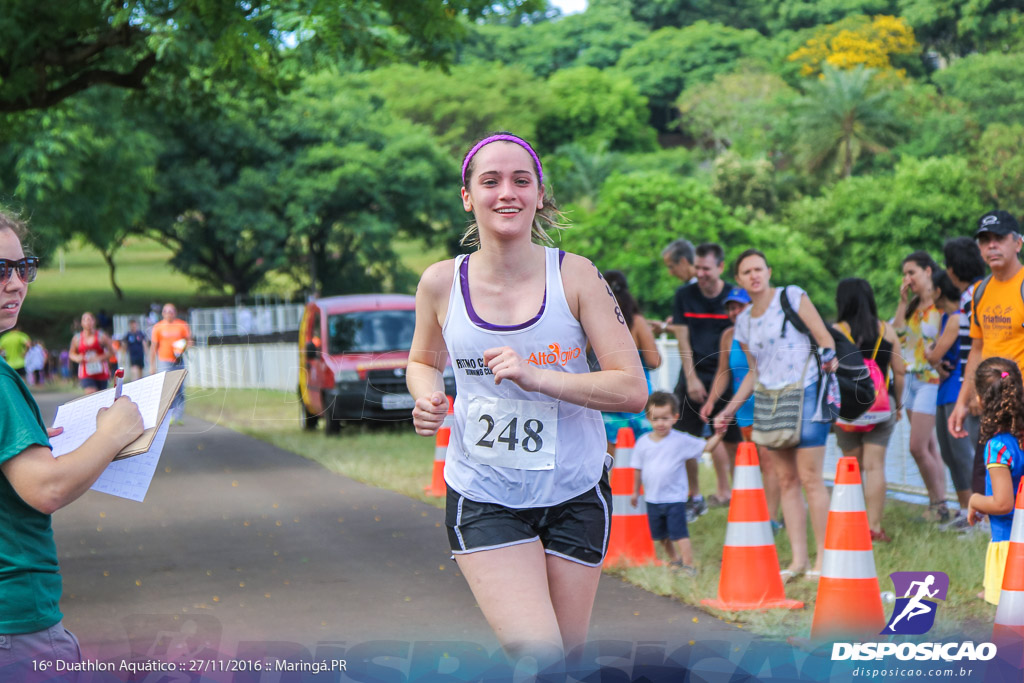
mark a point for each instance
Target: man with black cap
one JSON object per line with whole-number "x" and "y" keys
{"x": 997, "y": 319}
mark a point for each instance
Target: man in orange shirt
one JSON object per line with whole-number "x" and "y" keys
{"x": 997, "y": 318}
{"x": 169, "y": 339}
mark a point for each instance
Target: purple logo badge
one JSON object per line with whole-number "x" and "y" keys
{"x": 914, "y": 612}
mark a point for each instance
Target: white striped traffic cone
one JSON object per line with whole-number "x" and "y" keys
{"x": 630, "y": 541}
{"x": 1008, "y": 632}
{"x": 750, "y": 564}
{"x": 849, "y": 602}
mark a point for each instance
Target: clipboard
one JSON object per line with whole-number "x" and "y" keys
{"x": 172, "y": 381}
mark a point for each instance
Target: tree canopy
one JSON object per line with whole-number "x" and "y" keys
{"x": 297, "y": 142}
{"x": 51, "y": 51}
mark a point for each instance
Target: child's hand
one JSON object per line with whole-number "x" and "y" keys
{"x": 973, "y": 516}
{"x": 634, "y": 500}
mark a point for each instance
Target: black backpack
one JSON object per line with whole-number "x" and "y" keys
{"x": 856, "y": 388}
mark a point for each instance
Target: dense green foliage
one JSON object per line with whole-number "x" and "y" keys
{"x": 290, "y": 142}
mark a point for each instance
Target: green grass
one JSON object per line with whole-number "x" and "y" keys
{"x": 394, "y": 458}
{"x": 417, "y": 256}
{"x": 142, "y": 273}
{"x": 917, "y": 546}
{"x": 57, "y": 297}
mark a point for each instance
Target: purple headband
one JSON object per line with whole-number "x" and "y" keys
{"x": 505, "y": 137}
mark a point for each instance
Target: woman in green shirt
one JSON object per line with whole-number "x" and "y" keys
{"x": 33, "y": 485}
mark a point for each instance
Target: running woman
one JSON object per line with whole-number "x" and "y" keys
{"x": 529, "y": 505}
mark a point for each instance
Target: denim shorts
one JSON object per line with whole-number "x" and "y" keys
{"x": 920, "y": 396}
{"x": 812, "y": 434}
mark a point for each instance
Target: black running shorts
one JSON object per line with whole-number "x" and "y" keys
{"x": 575, "y": 530}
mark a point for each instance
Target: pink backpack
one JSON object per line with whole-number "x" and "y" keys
{"x": 880, "y": 409}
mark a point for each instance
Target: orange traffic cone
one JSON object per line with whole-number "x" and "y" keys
{"x": 849, "y": 602}
{"x": 1009, "y": 627}
{"x": 630, "y": 539}
{"x": 750, "y": 564}
{"x": 437, "y": 486}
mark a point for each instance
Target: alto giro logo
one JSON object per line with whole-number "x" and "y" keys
{"x": 554, "y": 356}
{"x": 914, "y": 613}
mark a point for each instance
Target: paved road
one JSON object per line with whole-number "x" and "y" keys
{"x": 239, "y": 541}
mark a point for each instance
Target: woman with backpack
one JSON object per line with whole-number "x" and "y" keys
{"x": 857, "y": 319}
{"x": 784, "y": 377}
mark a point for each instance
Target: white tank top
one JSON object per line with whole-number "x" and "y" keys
{"x": 509, "y": 446}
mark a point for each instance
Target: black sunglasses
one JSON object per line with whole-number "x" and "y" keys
{"x": 26, "y": 267}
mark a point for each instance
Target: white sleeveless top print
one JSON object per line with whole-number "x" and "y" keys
{"x": 510, "y": 446}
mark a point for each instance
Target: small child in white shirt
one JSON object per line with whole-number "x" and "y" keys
{"x": 659, "y": 459}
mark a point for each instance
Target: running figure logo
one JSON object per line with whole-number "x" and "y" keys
{"x": 914, "y": 613}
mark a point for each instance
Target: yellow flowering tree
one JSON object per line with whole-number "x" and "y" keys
{"x": 868, "y": 42}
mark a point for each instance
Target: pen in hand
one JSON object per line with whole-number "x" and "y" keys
{"x": 119, "y": 374}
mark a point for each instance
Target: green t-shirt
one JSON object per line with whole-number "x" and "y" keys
{"x": 30, "y": 581}
{"x": 14, "y": 345}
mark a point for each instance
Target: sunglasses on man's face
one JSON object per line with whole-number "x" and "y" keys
{"x": 27, "y": 268}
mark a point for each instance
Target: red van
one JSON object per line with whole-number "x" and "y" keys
{"x": 353, "y": 352}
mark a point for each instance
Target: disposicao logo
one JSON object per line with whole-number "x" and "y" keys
{"x": 914, "y": 613}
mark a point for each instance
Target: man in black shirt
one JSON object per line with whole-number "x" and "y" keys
{"x": 698, "y": 319}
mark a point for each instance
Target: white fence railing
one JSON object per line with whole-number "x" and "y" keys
{"x": 248, "y": 366}
{"x": 276, "y": 366}
{"x": 258, "y": 318}
{"x": 244, "y": 320}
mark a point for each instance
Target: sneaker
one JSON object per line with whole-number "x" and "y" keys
{"x": 691, "y": 512}
{"x": 777, "y": 526}
{"x": 957, "y": 523}
{"x": 695, "y": 508}
{"x": 980, "y": 527}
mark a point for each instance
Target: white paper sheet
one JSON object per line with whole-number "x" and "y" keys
{"x": 78, "y": 417}
{"x": 130, "y": 478}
